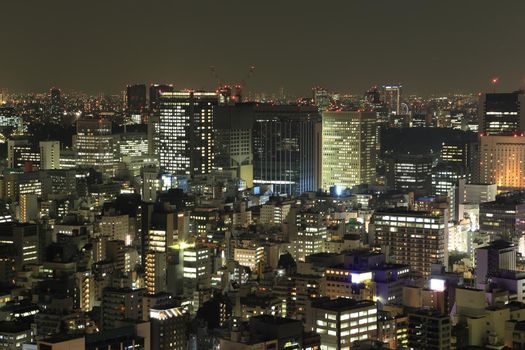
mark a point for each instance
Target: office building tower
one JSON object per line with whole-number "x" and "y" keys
{"x": 155, "y": 91}
{"x": 233, "y": 140}
{"x": 348, "y": 149}
{"x": 49, "y": 155}
{"x": 342, "y": 321}
{"x": 24, "y": 242}
{"x": 169, "y": 327}
{"x": 136, "y": 98}
{"x": 285, "y": 148}
{"x": 453, "y": 153}
{"x": 94, "y": 144}
{"x": 501, "y": 114}
{"x": 501, "y": 161}
{"x": 504, "y": 217}
{"x": 429, "y": 330}
{"x": 416, "y": 239}
{"x": 410, "y": 173}
{"x": 183, "y": 134}
{"x": 392, "y": 98}
{"x": 491, "y": 259}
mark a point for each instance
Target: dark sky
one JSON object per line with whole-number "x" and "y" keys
{"x": 429, "y": 46}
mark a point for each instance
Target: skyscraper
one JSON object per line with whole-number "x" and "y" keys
{"x": 392, "y": 98}
{"x": 154, "y": 95}
{"x": 285, "y": 145}
{"x": 55, "y": 108}
{"x": 183, "y": 132}
{"x": 136, "y": 98}
{"x": 502, "y": 114}
{"x": 348, "y": 149}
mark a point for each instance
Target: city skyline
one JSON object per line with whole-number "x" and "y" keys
{"x": 444, "y": 47}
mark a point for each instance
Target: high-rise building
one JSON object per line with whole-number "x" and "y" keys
{"x": 429, "y": 330}
{"x": 183, "y": 132}
{"x": 410, "y": 173}
{"x": 169, "y": 327}
{"x": 502, "y": 113}
{"x": 233, "y": 140}
{"x": 49, "y": 155}
{"x": 56, "y": 107}
{"x": 416, "y": 239}
{"x": 94, "y": 143}
{"x": 501, "y": 161}
{"x": 342, "y": 321}
{"x": 392, "y": 98}
{"x": 136, "y": 98}
{"x": 154, "y": 95}
{"x": 286, "y": 147}
{"x": 348, "y": 149}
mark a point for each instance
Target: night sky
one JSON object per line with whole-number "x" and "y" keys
{"x": 347, "y": 45}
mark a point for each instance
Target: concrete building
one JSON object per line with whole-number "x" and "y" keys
{"x": 429, "y": 330}
{"x": 49, "y": 155}
{"x": 416, "y": 239}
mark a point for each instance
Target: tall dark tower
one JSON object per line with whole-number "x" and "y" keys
{"x": 154, "y": 95}
{"x": 55, "y": 105}
{"x": 136, "y": 98}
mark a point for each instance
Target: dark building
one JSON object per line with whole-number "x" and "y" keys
{"x": 233, "y": 139}
{"x": 169, "y": 327}
{"x": 494, "y": 258}
{"x": 286, "y": 148}
{"x": 24, "y": 241}
{"x": 281, "y": 141}
{"x": 429, "y": 330}
{"x": 136, "y": 98}
{"x": 502, "y": 113}
{"x": 505, "y": 217}
{"x": 154, "y": 95}
{"x": 55, "y": 105}
{"x": 410, "y": 173}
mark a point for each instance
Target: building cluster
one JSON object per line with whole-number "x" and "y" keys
{"x": 194, "y": 220}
